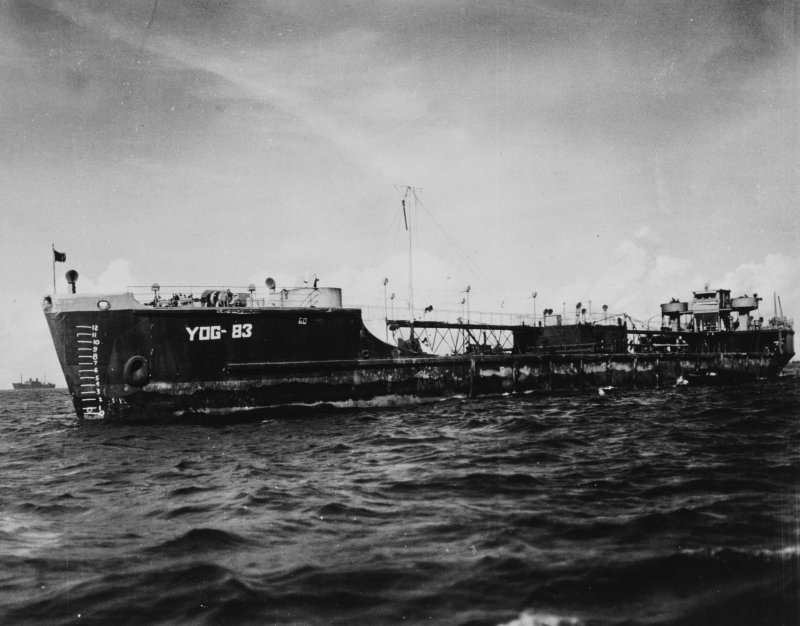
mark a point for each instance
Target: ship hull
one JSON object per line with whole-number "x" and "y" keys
{"x": 31, "y": 386}
{"x": 370, "y": 383}
{"x": 132, "y": 362}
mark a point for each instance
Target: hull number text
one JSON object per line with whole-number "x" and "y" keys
{"x": 210, "y": 333}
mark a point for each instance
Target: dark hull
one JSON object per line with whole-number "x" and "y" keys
{"x": 388, "y": 382}
{"x": 144, "y": 363}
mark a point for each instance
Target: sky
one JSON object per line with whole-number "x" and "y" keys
{"x": 622, "y": 153}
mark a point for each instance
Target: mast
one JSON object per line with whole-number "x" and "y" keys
{"x": 410, "y": 192}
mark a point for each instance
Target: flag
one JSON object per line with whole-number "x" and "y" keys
{"x": 59, "y": 257}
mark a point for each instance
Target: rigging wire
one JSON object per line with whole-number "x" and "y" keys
{"x": 481, "y": 275}
{"x": 128, "y": 94}
{"x": 391, "y": 233}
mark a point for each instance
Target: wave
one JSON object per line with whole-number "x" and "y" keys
{"x": 539, "y": 618}
{"x": 336, "y": 510}
{"x": 730, "y": 587}
{"x": 23, "y": 534}
{"x": 196, "y": 593}
{"x": 661, "y": 507}
{"x": 51, "y": 509}
{"x": 190, "y": 490}
{"x": 199, "y": 540}
{"x": 195, "y": 509}
{"x": 454, "y": 483}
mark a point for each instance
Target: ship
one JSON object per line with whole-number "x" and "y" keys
{"x": 33, "y": 383}
{"x": 225, "y": 353}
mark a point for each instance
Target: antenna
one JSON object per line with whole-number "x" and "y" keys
{"x": 409, "y": 192}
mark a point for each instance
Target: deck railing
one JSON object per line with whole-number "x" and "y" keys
{"x": 247, "y": 296}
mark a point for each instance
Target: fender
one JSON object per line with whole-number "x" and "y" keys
{"x": 136, "y": 372}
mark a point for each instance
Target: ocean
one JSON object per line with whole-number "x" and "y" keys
{"x": 673, "y": 506}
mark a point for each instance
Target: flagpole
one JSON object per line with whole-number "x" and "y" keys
{"x": 53, "y": 256}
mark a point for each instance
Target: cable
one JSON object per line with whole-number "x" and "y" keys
{"x": 482, "y": 276}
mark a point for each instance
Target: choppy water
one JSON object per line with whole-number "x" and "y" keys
{"x": 677, "y": 506}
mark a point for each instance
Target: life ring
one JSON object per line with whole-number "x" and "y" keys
{"x": 136, "y": 372}
{"x": 365, "y": 354}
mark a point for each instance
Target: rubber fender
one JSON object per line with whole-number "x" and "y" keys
{"x": 136, "y": 372}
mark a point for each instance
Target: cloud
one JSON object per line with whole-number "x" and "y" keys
{"x": 25, "y": 343}
{"x": 646, "y": 235}
{"x": 436, "y": 281}
{"x": 777, "y": 274}
{"x": 669, "y": 271}
{"x": 638, "y": 279}
{"x": 116, "y": 277}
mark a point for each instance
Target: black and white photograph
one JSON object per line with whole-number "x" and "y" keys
{"x": 473, "y": 313}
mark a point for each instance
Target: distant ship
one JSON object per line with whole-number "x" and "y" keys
{"x": 33, "y": 383}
